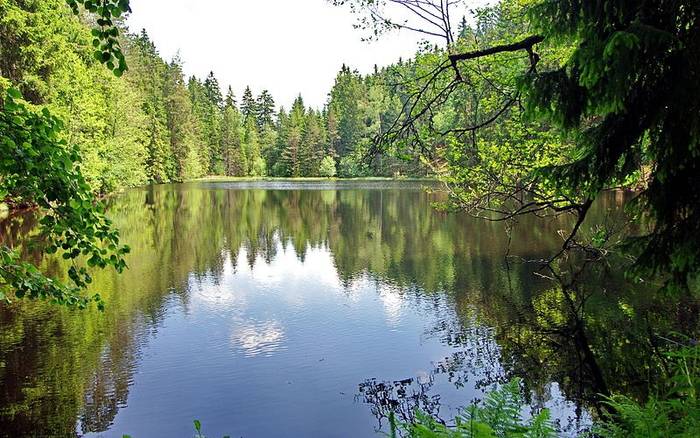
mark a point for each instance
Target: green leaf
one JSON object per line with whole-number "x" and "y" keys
{"x": 14, "y": 93}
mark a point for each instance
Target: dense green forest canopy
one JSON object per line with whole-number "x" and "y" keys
{"x": 153, "y": 124}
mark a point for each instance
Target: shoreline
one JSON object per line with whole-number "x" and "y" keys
{"x": 7, "y": 210}
{"x": 220, "y": 178}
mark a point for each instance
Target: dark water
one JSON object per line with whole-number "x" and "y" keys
{"x": 312, "y": 310}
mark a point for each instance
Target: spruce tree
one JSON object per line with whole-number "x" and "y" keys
{"x": 313, "y": 146}
{"x": 213, "y": 91}
{"x": 201, "y": 122}
{"x": 248, "y": 105}
{"x": 346, "y": 96}
{"x": 294, "y": 152}
{"x": 265, "y": 110}
{"x": 274, "y": 155}
{"x": 629, "y": 94}
{"x": 333, "y": 132}
{"x": 230, "y": 100}
{"x": 234, "y": 163}
{"x": 214, "y": 104}
{"x": 147, "y": 73}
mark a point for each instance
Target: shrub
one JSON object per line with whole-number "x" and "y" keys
{"x": 327, "y": 167}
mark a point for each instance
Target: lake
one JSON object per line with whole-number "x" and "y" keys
{"x": 313, "y": 309}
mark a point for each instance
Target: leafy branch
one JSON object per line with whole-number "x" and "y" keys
{"x": 38, "y": 167}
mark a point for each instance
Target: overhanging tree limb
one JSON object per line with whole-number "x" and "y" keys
{"x": 525, "y": 44}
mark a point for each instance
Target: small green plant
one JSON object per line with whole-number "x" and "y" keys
{"x": 499, "y": 415}
{"x": 198, "y": 430}
{"x": 674, "y": 411}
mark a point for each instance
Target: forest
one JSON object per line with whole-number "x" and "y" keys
{"x": 548, "y": 258}
{"x": 154, "y": 125}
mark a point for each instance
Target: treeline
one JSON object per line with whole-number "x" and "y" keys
{"x": 153, "y": 124}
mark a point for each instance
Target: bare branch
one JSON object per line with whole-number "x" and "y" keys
{"x": 526, "y": 44}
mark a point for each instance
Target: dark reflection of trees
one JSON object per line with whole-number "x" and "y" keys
{"x": 503, "y": 320}
{"x": 581, "y": 325}
{"x": 479, "y": 362}
{"x": 593, "y": 333}
{"x": 585, "y": 328}
{"x": 108, "y": 387}
{"x": 402, "y": 397}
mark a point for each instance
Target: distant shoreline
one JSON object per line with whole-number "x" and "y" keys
{"x": 6, "y": 210}
{"x": 216, "y": 178}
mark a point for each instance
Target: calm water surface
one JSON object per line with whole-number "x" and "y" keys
{"x": 311, "y": 310}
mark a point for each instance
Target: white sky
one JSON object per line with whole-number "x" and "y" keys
{"x": 286, "y": 46}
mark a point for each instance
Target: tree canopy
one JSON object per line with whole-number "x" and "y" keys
{"x": 629, "y": 93}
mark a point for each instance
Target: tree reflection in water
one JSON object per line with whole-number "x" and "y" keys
{"x": 586, "y": 329}
{"x": 502, "y": 316}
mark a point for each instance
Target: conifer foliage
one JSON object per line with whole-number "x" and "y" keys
{"x": 630, "y": 93}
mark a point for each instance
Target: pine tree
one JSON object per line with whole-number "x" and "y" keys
{"x": 248, "y": 105}
{"x": 265, "y": 110}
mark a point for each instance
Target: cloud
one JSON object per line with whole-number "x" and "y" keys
{"x": 258, "y": 338}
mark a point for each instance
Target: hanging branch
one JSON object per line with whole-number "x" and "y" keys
{"x": 526, "y": 44}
